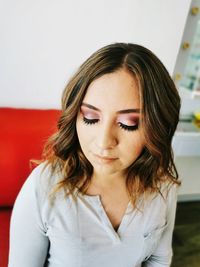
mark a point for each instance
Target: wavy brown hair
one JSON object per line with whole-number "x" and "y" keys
{"x": 160, "y": 105}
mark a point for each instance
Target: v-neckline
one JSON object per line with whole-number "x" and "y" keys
{"x": 106, "y": 219}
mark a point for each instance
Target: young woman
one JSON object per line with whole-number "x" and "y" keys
{"x": 106, "y": 192}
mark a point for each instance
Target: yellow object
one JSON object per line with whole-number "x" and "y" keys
{"x": 185, "y": 45}
{"x": 195, "y": 10}
{"x": 197, "y": 116}
{"x": 177, "y": 77}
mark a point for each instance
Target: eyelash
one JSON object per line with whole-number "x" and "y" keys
{"x": 89, "y": 121}
{"x": 121, "y": 125}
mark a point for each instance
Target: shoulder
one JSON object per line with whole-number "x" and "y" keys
{"x": 44, "y": 173}
{"x": 167, "y": 196}
{"x": 169, "y": 189}
{"x": 41, "y": 180}
{"x": 164, "y": 197}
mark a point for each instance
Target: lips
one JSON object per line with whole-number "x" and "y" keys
{"x": 104, "y": 158}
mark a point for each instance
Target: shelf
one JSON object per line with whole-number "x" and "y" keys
{"x": 186, "y": 141}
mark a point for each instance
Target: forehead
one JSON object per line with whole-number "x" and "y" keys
{"x": 114, "y": 91}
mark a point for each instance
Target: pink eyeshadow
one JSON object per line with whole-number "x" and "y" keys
{"x": 88, "y": 113}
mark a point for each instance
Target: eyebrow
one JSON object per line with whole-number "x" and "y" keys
{"x": 135, "y": 110}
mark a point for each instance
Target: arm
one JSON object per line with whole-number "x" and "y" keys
{"x": 28, "y": 242}
{"x": 162, "y": 256}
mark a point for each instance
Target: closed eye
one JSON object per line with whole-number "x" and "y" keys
{"x": 121, "y": 125}
{"x": 90, "y": 121}
{"x": 128, "y": 128}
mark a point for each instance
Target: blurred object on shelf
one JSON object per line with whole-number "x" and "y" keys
{"x": 187, "y": 68}
{"x": 197, "y": 115}
{"x": 197, "y": 119}
{"x": 188, "y": 127}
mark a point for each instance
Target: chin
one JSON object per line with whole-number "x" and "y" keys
{"x": 106, "y": 170}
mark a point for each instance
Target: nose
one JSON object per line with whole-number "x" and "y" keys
{"x": 106, "y": 138}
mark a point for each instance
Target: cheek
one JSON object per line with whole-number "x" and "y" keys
{"x": 135, "y": 145}
{"x": 83, "y": 133}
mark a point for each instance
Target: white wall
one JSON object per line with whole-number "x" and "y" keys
{"x": 44, "y": 41}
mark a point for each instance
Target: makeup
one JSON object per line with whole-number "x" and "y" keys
{"x": 124, "y": 118}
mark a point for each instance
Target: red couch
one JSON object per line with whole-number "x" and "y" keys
{"x": 22, "y": 136}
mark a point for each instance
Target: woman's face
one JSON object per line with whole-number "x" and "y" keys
{"x": 107, "y": 123}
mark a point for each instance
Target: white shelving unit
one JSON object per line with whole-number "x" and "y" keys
{"x": 186, "y": 147}
{"x": 186, "y": 141}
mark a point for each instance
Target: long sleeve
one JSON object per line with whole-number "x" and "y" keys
{"x": 28, "y": 242}
{"x": 162, "y": 256}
